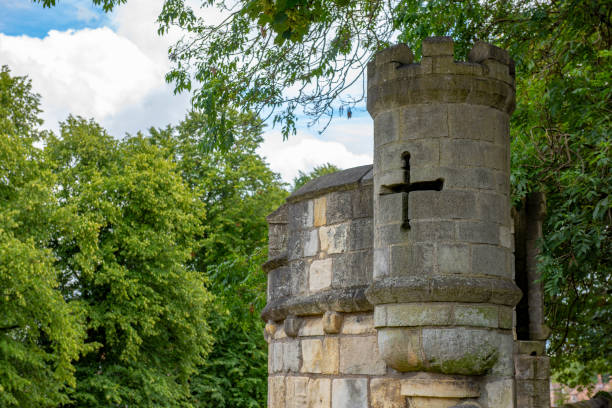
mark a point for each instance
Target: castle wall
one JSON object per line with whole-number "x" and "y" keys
{"x": 393, "y": 285}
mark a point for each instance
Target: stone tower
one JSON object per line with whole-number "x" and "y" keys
{"x": 392, "y": 285}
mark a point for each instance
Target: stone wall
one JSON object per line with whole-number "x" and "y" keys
{"x": 393, "y": 285}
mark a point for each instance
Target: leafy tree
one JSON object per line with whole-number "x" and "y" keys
{"x": 316, "y": 172}
{"x": 146, "y": 310}
{"x": 236, "y": 186}
{"x": 40, "y": 334}
{"x": 238, "y": 191}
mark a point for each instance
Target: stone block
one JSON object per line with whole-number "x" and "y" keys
{"x": 360, "y": 234}
{"x": 495, "y": 157}
{"x": 276, "y": 392}
{"x": 454, "y": 258}
{"x": 298, "y": 277}
{"x": 401, "y": 348}
{"x": 350, "y": 393}
{"x": 391, "y": 208}
{"x": 280, "y": 334}
{"x": 506, "y": 317}
{"x": 333, "y": 239}
{"x": 417, "y": 260}
{"x": 531, "y": 348}
{"x": 269, "y": 331}
{"x": 279, "y": 283}
{"x": 445, "y": 64}
{"x": 502, "y": 182}
{"x": 542, "y": 368}
{"x": 477, "y": 315}
{"x": 478, "y": 232}
{"x": 424, "y": 231}
{"x": 362, "y": 202}
{"x": 504, "y": 366}
{"x": 312, "y": 326}
{"x": 396, "y": 54}
{"x": 291, "y": 356}
{"x": 295, "y": 246}
{"x": 436, "y": 46}
{"x": 319, "y": 393}
{"x": 380, "y": 316}
{"x": 277, "y": 237}
{"x": 311, "y": 243}
{"x": 300, "y": 215}
{"x": 312, "y": 354}
{"x": 292, "y": 325}
{"x": 524, "y": 367}
{"x": 423, "y": 152}
{"x": 320, "y": 276}
{"x": 468, "y": 177}
{"x": 359, "y": 355}
{"x": 461, "y": 152}
{"x": 358, "y": 324}
{"x": 498, "y": 71}
{"x": 331, "y": 356}
{"x": 391, "y": 234}
{"x": 352, "y": 269}
{"x": 275, "y": 357}
{"x": 332, "y": 322}
{"x": 402, "y": 260}
{"x": 500, "y": 393}
{"x": 482, "y": 51}
{"x": 440, "y": 387}
{"x": 460, "y": 289}
{"x": 320, "y": 356}
{"x": 477, "y": 122}
{"x": 460, "y": 350}
{"x": 320, "y": 211}
{"x": 493, "y": 207}
{"x": 339, "y": 207}
{"x": 385, "y": 393}
{"x": 417, "y": 314}
{"x": 381, "y": 263}
{"x": 456, "y": 204}
{"x": 386, "y": 127}
{"x": 423, "y": 122}
{"x": 506, "y": 238}
{"x": 490, "y": 260}
{"x": 297, "y": 392}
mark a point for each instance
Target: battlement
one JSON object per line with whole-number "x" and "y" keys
{"x": 486, "y": 79}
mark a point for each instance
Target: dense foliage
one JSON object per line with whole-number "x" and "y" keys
{"x": 238, "y": 191}
{"x": 40, "y": 333}
{"x": 139, "y": 224}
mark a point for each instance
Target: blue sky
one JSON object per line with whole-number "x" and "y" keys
{"x": 23, "y": 17}
{"x": 111, "y": 67}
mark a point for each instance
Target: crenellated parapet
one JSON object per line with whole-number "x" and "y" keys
{"x": 487, "y": 78}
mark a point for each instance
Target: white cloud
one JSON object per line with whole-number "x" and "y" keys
{"x": 94, "y": 73}
{"x": 116, "y": 76}
{"x": 304, "y": 152}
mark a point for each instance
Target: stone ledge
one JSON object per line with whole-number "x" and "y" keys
{"x": 444, "y": 288}
{"x": 439, "y": 388}
{"x": 274, "y": 263}
{"x": 337, "y": 300}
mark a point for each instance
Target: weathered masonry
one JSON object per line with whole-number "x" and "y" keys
{"x": 393, "y": 285}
